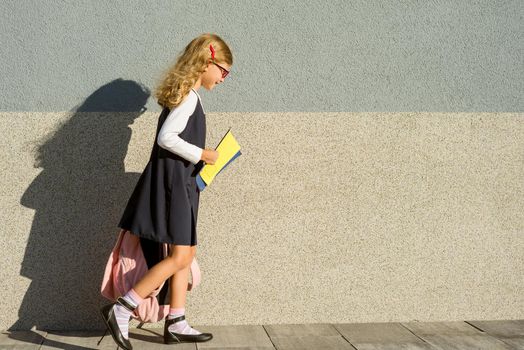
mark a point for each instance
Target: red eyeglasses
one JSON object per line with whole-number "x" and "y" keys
{"x": 224, "y": 71}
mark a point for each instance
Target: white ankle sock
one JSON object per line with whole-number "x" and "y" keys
{"x": 180, "y": 327}
{"x": 122, "y": 314}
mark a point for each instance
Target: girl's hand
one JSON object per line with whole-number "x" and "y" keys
{"x": 209, "y": 156}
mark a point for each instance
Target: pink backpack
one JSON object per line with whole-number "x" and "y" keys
{"x": 126, "y": 266}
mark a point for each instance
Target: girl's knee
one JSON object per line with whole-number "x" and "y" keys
{"x": 181, "y": 256}
{"x": 177, "y": 262}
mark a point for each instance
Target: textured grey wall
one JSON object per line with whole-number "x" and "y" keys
{"x": 289, "y": 55}
{"x": 334, "y": 217}
{"x": 326, "y": 217}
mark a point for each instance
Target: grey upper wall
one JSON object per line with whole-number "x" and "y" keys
{"x": 288, "y": 55}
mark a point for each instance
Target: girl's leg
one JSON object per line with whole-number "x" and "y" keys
{"x": 180, "y": 256}
{"x": 178, "y": 286}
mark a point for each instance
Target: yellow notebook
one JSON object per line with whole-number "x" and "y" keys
{"x": 228, "y": 149}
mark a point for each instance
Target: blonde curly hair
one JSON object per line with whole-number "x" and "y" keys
{"x": 177, "y": 81}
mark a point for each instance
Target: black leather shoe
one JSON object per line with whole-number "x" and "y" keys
{"x": 112, "y": 325}
{"x": 172, "y": 337}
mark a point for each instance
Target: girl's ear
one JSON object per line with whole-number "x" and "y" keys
{"x": 209, "y": 63}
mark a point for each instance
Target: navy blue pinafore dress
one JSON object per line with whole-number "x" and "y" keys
{"x": 163, "y": 207}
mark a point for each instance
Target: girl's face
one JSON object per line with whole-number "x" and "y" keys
{"x": 213, "y": 75}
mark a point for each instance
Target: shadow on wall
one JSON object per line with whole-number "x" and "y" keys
{"x": 78, "y": 199}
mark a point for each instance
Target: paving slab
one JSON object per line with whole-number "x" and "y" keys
{"x": 383, "y": 336}
{"x": 252, "y": 337}
{"x": 312, "y": 342}
{"x": 466, "y": 342}
{"x": 299, "y": 330}
{"x": 478, "y": 335}
{"x": 432, "y": 328}
{"x": 306, "y": 336}
{"x": 510, "y": 332}
{"x": 391, "y": 346}
{"x": 454, "y": 335}
{"x": 503, "y": 328}
{"x": 77, "y": 340}
{"x": 22, "y": 340}
{"x": 153, "y": 338}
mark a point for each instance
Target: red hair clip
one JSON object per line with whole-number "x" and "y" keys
{"x": 212, "y": 51}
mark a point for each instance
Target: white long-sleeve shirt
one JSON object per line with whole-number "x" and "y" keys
{"x": 174, "y": 124}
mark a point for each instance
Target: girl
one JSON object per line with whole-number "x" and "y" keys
{"x": 164, "y": 205}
